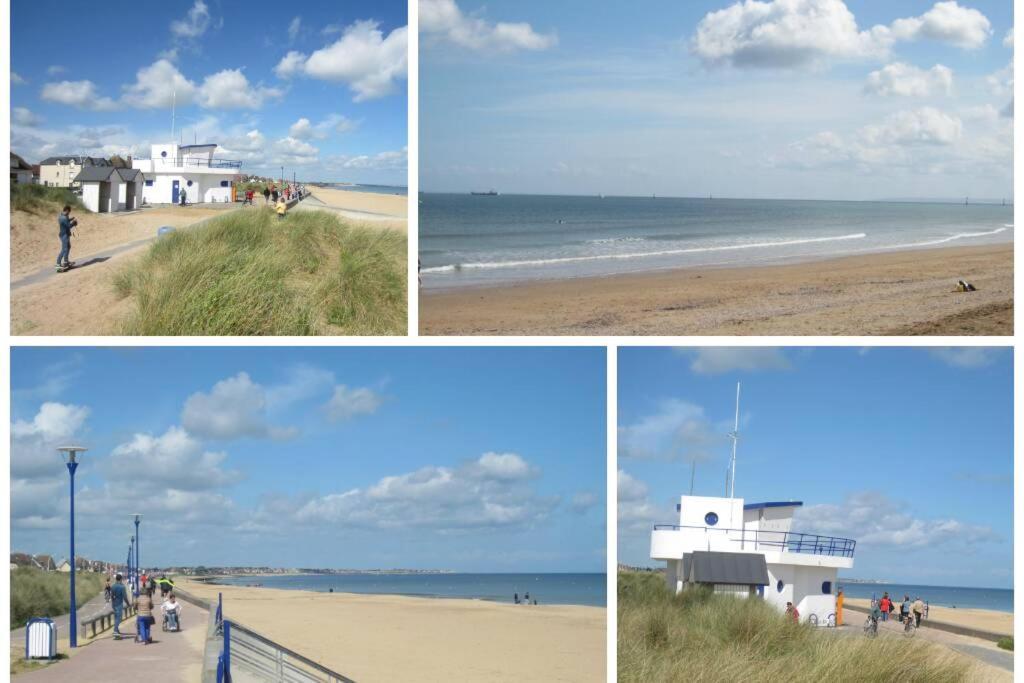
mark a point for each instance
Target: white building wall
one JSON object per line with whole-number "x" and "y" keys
{"x": 205, "y": 187}
{"x": 91, "y": 196}
{"x": 58, "y": 175}
{"x": 23, "y": 177}
{"x": 802, "y": 587}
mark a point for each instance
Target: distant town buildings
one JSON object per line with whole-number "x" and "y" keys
{"x": 21, "y": 170}
{"x": 108, "y": 188}
{"x": 61, "y": 171}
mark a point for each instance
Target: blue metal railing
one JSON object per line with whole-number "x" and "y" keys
{"x": 786, "y": 541}
{"x": 191, "y": 161}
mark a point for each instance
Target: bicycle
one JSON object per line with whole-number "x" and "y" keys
{"x": 871, "y": 627}
{"x": 909, "y": 627}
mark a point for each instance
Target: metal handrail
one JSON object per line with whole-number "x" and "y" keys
{"x": 787, "y": 541}
{"x": 188, "y": 161}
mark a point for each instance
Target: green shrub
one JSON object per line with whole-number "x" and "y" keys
{"x": 41, "y": 199}
{"x": 247, "y": 273}
{"x": 35, "y": 593}
{"x": 1006, "y": 643}
{"x": 701, "y": 637}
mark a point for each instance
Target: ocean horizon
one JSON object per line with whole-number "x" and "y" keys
{"x": 998, "y": 599}
{"x": 472, "y": 240}
{"x": 547, "y": 588}
{"x": 400, "y": 190}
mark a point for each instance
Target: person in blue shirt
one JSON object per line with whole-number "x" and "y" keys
{"x": 118, "y": 599}
{"x": 67, "y": 223}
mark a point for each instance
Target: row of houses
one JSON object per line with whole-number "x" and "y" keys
{"x": 48, "y": 564}
{"x": 173, "y": 174}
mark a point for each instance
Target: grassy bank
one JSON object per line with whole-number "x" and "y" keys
{"x": 703, "y": 638}
{"x": 35, "y": 593}
{"x": 41, "y": 199}
{"x": 247, "y": 273}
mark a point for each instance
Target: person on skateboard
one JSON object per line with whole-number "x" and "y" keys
{"x": 67, "y": 224}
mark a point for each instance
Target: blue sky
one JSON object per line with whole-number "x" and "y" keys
{"x": 908, "y": 451}
{"x": 814, "y": 99}
{"x": 468, "y": 459}
{"x": 319, "y": 87}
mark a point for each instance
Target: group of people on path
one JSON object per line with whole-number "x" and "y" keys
{"x": 278, "y": 199}
{"x": 917, "y": 609}
{"x": 117, "y": 595}
{"x": 525, "y": 599}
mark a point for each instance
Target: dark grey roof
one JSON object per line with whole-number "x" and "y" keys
{"x": 704, "y": 566}
{"x": 128, "y": 174}
{"x": 94, "y": 173}
{"x": 20, "y": 163}
{"x": 85, "y": 161}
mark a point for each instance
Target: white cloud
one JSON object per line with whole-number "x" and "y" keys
{"x": 583, "y": 501}
{"x": 635, "y": 511}
{"x": 363, "y": 58}
{"x": 801, "y": 33}
{"x": 81, "y": 94}
{"x": 22, "y": 116}
{"x": 1008, "y": 39}
{"x": 966, "y": 357}
{"x": 875, "y": 519}
{"x": 304, "y": 129}
{"x": 17, "y": 80}
{"x": 235, "y": 407}
{"x": 304, "y": 382}
{"x": 443, "y": 20}
{"x": 293, "y": 152}
{"x": 390, "y": 160}
{"x": 1001, "y": 82}
{"x": 473, "y": 495}
{"x": 34, "y": 443}
{"x": 293, "y": 29}
{"x": 926, "y": 125}
{"x": 157, "y": 86}
{"x": 301, "y": 129}
{"x": 910, "y": 81}
{"x": 502, "y": 466}
{"x": 230, "y": 89}
{"x": 677, "y": 431}
{"x": 946, "y": 22}
{"x": 195, "y": 22}
{"x": 55, "y": 69}
{"x": 173, "y": 460}
{"x": 347, "y": 403}
{"x": 716, "y": 360}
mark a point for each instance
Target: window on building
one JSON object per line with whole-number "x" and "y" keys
{"x": 780, "y": 585}
{"x": 189, "y": 183}
{"x": 149, "y": 183}
{"x": 225, "y": 183}
{"x": 163, "y": 153}
{"x": 711, "y": 519}
{"x": 826, "y": 588}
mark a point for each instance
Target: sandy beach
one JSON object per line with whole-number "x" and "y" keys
{"x": 390, "y": 638}
{"x": 894, "y": 293}
{"x": 381, "y": 210}
{"x": 982, "y": 619}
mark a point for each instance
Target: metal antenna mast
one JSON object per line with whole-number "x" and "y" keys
{"x": 174, "y": 98}
{"x": 735, "y": 436}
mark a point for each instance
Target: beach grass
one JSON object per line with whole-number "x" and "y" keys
{"x": 700, "y": 637}
{"x": 1006, "y": 642}
{"x": 247, "y": 273}
{"x": 35, "y": 593}
{"x": 40, "y": 199}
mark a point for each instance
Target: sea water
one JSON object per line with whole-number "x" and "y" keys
{"x": 548, "y": 589}
{"x": 998, "y": 599}
{"x": 468, "y": 240}
{"x": 373, "y": 189}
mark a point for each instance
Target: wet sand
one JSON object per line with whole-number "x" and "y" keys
{"x": 894, "y": 293}
{"x": 397, "y": 638}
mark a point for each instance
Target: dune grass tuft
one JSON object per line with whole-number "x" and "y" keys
{"x": 1006, "y": 642}
{"x": 246, "y": 273}
{"x": 700, "y": 637}
{"x": 40, "y": 199}
{"x": 35, "y": 593}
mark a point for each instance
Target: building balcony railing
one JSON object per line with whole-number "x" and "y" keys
{"x": 781, "y": 541}
{"x": 192, "y": 163}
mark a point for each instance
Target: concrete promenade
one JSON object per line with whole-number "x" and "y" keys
{"x": 171, "y": 658}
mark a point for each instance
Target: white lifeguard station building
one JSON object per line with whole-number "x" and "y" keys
{"x": 174, "y": 168}
{"x": 751, "y": 549}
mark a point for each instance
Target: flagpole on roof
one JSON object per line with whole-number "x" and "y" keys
{"x": 174, "y": 98}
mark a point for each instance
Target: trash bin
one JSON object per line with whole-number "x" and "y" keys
{"x": 40, "y": 639}
{"x": 164, "y": 230}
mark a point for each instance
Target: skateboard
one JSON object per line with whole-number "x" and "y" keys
{"x": 66, "y": 267}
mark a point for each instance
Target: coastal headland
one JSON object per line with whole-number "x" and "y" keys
{"x": 389, "y": 637}
{"x": 892, "y": 293}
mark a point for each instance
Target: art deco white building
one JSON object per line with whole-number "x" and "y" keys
{"x": 192, "y": 168}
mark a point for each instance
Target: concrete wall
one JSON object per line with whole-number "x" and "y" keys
{"x": 205, "y": 187}
{"x": 802, "y": 587}
{"x": 91, "y": 196}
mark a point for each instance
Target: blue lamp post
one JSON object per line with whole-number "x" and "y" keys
{"x": 70, "y": 455}
{"x": 131, "y": 570}
{"x": 138, "y": 518}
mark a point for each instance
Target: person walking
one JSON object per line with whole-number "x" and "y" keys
{"x": 181, "y": 196}
{"x": 118, "y": 599}
{"x": 274, "y": 195}
{"x": 885, "y": 604}
{"x": 67, "y": 225}
{"x": 281, "y": 208}
{"x": 840, "y": 598}
{"x": 266, "y": 195}
{"x": 106, "y": 591}
{"x": 905, "y": 609}
{"x": 793, "y": 612}
{"x": 144, "y": 616}
{"x": 918, "y": 610}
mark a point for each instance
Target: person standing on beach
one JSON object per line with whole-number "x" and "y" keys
{"x": 918, "y": 609}
{"x": 885, "y": 604}
{"x": 118, "y": 599}
{"x": 515, "y": 598}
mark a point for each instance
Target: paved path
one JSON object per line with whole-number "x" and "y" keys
{"x": 171, "y": 658}
{"x": 48, "y": 273}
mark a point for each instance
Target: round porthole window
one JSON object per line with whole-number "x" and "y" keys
{"x": 189, "y": 183}
{"x": 711, "y": 519}
{"x": 779, "y": 586}
{"x": 164, "y": 153}
{"x": 826, "y": 587}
